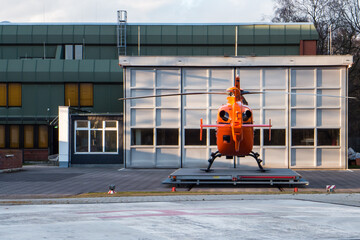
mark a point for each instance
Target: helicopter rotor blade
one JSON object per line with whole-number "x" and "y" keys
{"x": 172, "y": 94}
{"x": 294, "y": 93}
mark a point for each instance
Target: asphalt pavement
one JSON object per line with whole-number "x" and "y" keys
{"x": 52, "y": 181}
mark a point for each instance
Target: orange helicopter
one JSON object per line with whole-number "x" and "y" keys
{"x": 235, "y": 134}
{"x": 234, "y": 128}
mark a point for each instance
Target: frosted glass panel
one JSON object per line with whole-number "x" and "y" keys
{"x": 217, "y": 100}
{"x": 275, "y": 79}
{"x": 302, "y": 118}
{"x": 168, "y": 78}
{"x": 195, "y": 157}
{"x": 303, "y": 158}
{"x": 142, "y": 117}
{"x": 221, "y": 78}
{"x": 277, "y": 117}
{"x": 168, "y": 157}
{"x": 253, "y": 100}
{"x": 195, "y": 101}
{"x": 195, "y": 78}
{"x": 324, "y": 101}
{"x": 274, "y": 98}
{"x": 329, "y": 78}
{"x": 275, "y": 158}
{"x": 302, "y": 98}
{"x": 329, "y": 158}
{"x": 167, "y": 118}
{"x": 142, "y": 102}
{"x": 173, "y": 101}
{"x": 302, "y": 78}
{"x": 328, "y": 118}
{"x": 143, "y": 78}
{"x": 142, "y": 157}
{"x": 192, "y": 117}
{"x": 250, "y": 79}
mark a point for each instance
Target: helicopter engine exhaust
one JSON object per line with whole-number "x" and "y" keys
{"x": 246, "y": 115}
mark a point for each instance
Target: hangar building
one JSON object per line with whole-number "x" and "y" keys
{"x": 308, "y": 131}
{"x": 44, "y": 66}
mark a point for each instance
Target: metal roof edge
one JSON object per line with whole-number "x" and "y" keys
{"x": 5, "y": 23}
{"x": 240, "y": 61}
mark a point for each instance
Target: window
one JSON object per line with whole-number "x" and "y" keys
{"x": 96, "y": 136}
{"x": 28, "y": 136}
{"x": 2, "y": 136}
{"x": 14, "y": 136}
{"x": 3, "y": 95}
{"x": 213, "y": 137}
{"x": 69, "y": 52}
{"x": 86, "y": 94}
{"x": 167, "y": 136}
{"x": 328, "y": 137}
{"x": 10, "y": 95}
{"x": 192, "y": 137}
{"x": 277, "y": 137}
{"x": 257, "y": 137}
{"x": 43, "y": 136}
{"x": 302, "y": 137}
{"x": 71, "y": 94}
{"x": 73, "y": 52}
{"x": 82, "y": 141}
{"x": 79, "y": 94}
{"x": 142, "y": 136}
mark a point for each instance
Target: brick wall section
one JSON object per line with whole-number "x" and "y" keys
{"x": 11, "y": 158}
{"x": 307, "y": 47}
{"x": 36, "y": 154}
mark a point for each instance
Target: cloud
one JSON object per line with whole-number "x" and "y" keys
{"x": 154, "y": 11}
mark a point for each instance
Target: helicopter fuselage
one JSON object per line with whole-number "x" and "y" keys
{"x": 236, "y": 141}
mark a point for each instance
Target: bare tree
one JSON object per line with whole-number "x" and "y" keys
{"x": 342, "y": 17}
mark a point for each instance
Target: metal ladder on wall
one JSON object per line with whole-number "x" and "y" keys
{"x": 121, "y": 32}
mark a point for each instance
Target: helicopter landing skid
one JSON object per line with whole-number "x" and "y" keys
{"x": 211, "y": 160}
{"x": 256, "y": 155}
{"x": 216, "y": 154}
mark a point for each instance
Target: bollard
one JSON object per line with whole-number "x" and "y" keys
{"x": 330, "y": 188}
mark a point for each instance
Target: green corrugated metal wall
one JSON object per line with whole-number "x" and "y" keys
{"x": 22, "y": 41}
{"x": 22, "y": 50}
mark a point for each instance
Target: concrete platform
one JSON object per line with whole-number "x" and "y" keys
{"x": 274, "y": 176}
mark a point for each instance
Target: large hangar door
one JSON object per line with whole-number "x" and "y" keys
{"x": 317, "y": 122}
{"x": 153, "y": 125}
{"x": 196, "y": 152}
{"x": 273, "y": 104}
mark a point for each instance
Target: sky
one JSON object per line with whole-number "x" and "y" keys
{"x": 138, "y": 11}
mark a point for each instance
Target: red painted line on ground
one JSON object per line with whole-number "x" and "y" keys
{"x": 147, "y": 210}
{"x": 281, "y": 177}
{"x": 170, "y": 213}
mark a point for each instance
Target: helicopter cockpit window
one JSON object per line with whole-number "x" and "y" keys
{"x": 243, "y": 100}
{"x": 224, "y": 115}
